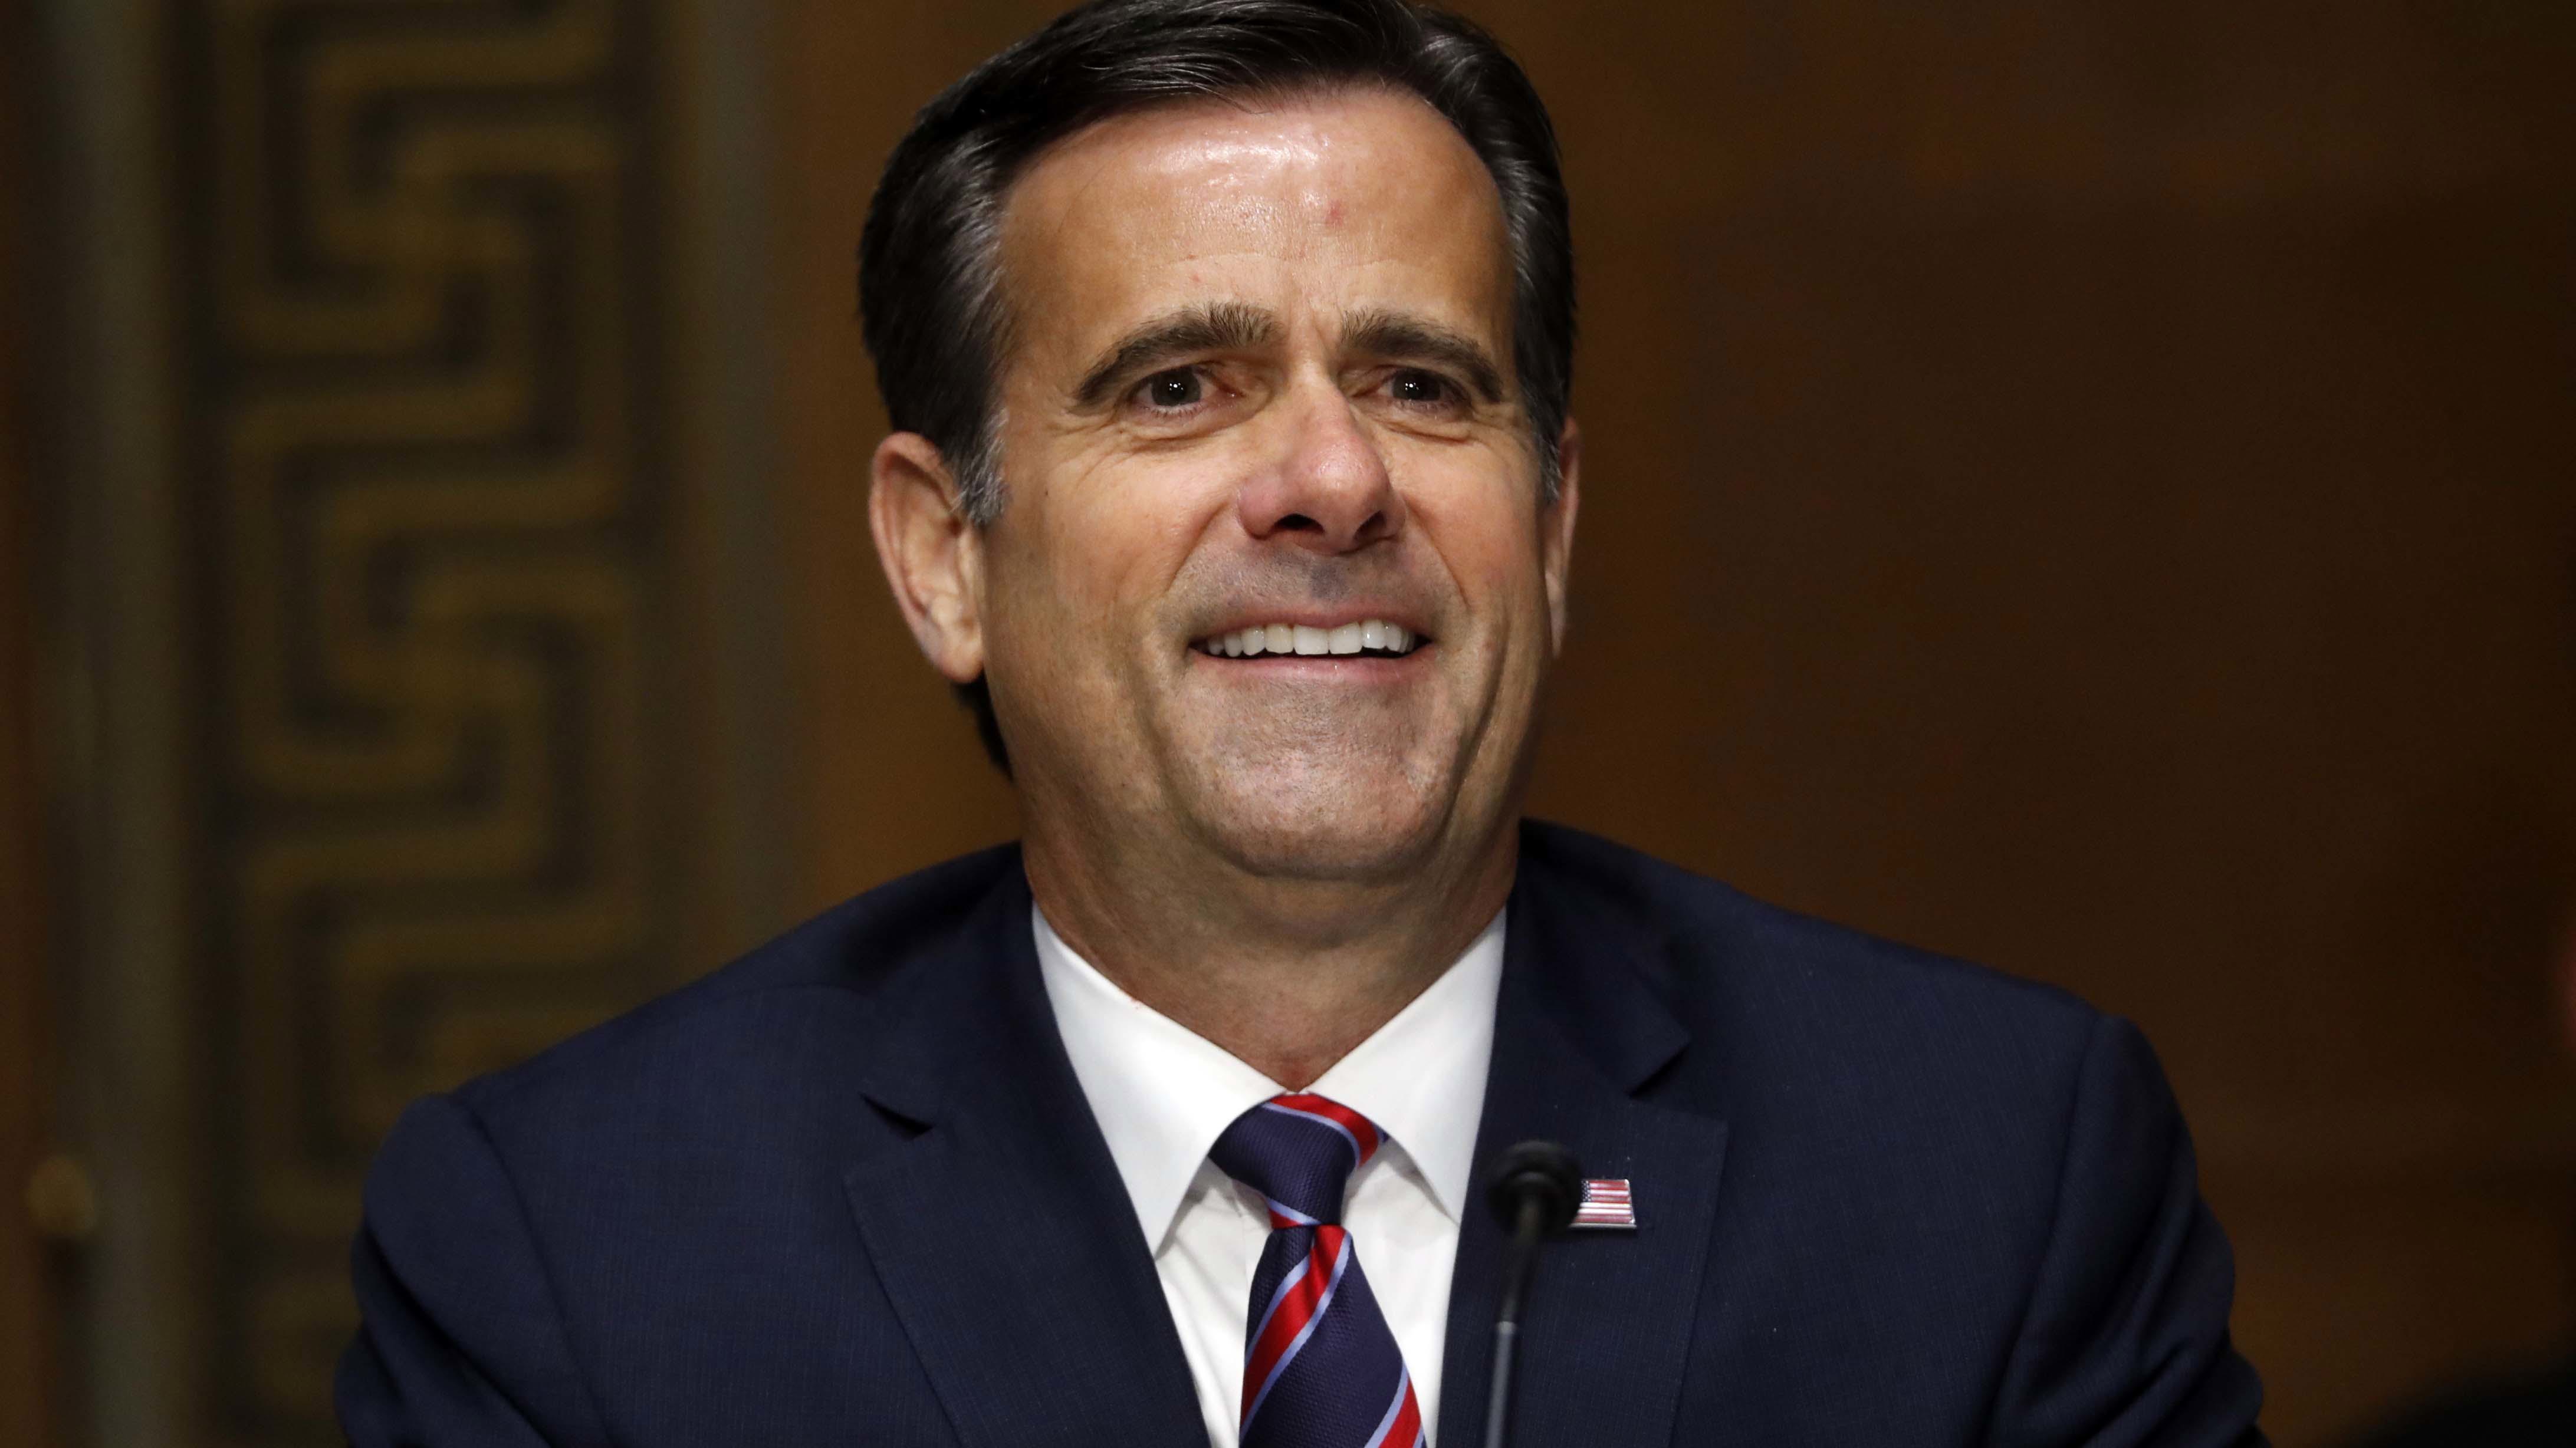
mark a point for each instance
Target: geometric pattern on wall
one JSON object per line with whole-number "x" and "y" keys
{"x": 433, "y": 538}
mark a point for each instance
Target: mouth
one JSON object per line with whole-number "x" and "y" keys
{"x": 1367, "y": 638}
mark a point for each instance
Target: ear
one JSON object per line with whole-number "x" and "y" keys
{"x": 1556, "y": 529}
{"x": 933, "y": 556}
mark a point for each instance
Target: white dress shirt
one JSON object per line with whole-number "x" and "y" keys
{"x": 1163, "y": 1094}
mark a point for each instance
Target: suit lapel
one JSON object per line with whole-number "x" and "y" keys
{"x": 1000, "y": 1231}
{"x": 1606, "y": 1332}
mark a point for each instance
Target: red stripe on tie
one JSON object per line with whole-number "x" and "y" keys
{"x": 1362, "y": 1130}
{"x": 1404, "y": 1429}
{"x": 1295, "y": 1310}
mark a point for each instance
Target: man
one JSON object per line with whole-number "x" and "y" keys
{"x": 1228, "y": 343}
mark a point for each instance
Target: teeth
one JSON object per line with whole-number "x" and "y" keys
{"x": 1297, "y": 638}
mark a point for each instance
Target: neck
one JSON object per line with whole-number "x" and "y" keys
{"x": 1286, "y": 975}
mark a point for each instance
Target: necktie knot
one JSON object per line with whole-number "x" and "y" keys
{"x": 1319, "y": 1364}
{"x": 1299, "y": 1152}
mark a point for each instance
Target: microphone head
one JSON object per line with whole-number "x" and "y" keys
{"x": 1536, "y": 1170}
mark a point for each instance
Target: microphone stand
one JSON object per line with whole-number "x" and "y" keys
{"x": 1535, "y": 1191}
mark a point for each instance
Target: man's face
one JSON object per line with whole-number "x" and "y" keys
{"x": 1259, "y": 379}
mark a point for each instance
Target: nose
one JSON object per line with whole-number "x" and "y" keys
{"x": 1328, "y": 491}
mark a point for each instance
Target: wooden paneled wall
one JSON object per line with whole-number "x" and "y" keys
{"x": 30, "y": 1356}
{"x": 897, "y": 777}
{"x": 2084, "y": 488}
{"x": 406, "y": 561}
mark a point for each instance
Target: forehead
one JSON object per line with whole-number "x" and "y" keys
{"x": 1336, "y": 202}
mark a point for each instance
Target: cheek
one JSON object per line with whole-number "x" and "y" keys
{"x": 1139, "y": 519}
{"x": 1486, "y": 538}
{"x": 1121, "y": 530}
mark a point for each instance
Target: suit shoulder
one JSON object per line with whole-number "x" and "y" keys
{"x": 1926, "y": 1074}
{"x": 1715, "y": 942}
{"x": 842, "y": 966}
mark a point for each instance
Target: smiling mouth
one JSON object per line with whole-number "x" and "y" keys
{"x": 1370, "y": 638}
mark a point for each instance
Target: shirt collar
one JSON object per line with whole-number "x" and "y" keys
{"x": 1163, "y": 1093}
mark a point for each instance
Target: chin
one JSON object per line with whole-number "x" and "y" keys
{"x": 1380, "y": 828}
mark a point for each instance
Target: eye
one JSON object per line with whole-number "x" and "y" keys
{"x": 1414, "y": 387}
{"x": 1177, "y": 388}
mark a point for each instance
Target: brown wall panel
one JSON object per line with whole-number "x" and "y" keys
{"x": 394, "y": 504}
{"x": 898, "y": 781}
{"x": 29, "y": 1322}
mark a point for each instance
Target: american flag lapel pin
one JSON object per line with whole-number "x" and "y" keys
{"x": 1607, "y": 1206}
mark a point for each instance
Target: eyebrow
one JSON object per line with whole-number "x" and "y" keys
{"x": 1207, "y": 327}
{"x": 1394, "y": 335}
{"x": 1240, "y": 326}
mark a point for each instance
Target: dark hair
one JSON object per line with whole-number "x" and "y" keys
{"x": 930, "y": 299}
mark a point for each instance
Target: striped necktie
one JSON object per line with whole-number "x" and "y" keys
{"x": 1320, "y": 1368}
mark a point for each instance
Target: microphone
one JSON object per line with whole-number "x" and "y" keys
{"x": 1535, "y": 1189}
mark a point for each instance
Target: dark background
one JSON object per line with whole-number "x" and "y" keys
{"x": 2083, "y": 488}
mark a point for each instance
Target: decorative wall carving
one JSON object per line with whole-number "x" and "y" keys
{"x": 435, "y": 535}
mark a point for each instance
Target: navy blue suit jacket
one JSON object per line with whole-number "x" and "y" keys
{"x": 847, "y": 1191}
